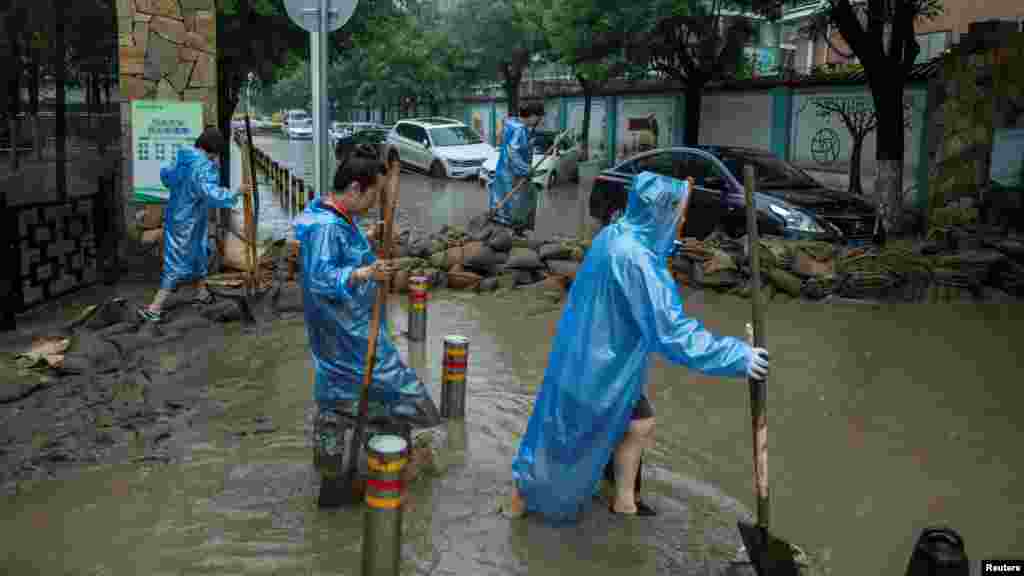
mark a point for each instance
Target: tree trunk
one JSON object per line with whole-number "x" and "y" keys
{"x": 855, "y": 163}
{"x": 694, "y": 96}
{"x": 588, "y": 97}
{"x": 33, "y": 94}
{"x": 512, "y": 80}
{"x": 887, "y": 94}
{"x": 14, "y": 93}
{"x": 226, "y": 102}
{"x": 60, "y": 71}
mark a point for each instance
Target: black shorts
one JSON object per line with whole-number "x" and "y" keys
{"x": 643, "y": 409}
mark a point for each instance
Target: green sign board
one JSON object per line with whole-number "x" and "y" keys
{"x": 159, "y": 130}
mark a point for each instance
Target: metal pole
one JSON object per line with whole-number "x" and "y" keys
{"x": 418, "y": 308}
{"x": 453, "y": 377}
{"x": 321, "y": 148}
{"x": 387, "y": 456}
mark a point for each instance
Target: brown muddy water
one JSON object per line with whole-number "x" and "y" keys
{"x": 883, "y": 421}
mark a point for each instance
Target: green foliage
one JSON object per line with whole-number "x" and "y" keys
{"x": 498, "y": 39}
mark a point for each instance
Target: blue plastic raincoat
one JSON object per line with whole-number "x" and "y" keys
{"x": 513, "y": 161}
{"x": 193, "y": 182}
{"x": 338, "y": 322}
{"x": 623, "y": 305}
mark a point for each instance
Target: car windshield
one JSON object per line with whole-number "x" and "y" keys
{"x": 371, "y": 136}
{"x": 454, "y": 136}
{"x": 303, "y": 122}
{"x": 771, "y": 171}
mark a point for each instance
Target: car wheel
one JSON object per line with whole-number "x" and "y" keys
{"x": 436, "y": 170}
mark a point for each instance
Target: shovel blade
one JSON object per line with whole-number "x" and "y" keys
{"x": 769, "y": 555}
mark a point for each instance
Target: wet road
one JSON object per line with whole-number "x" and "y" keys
{"x": 426, "y": 204}
{"x": 883, "y": 421}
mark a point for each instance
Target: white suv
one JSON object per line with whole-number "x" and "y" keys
{"x": 440, "y": 146}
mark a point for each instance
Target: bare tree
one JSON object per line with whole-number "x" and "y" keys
{"x": 860, "y": 120}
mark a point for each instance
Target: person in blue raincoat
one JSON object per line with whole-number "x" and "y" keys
{"x": 339, "y": 275}
{"x": 514, "y": 164}
{"x": 193, "y": 181}
{"x": 592, "y": 406}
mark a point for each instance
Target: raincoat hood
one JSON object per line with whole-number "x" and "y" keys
{"x": 652, "y": 213}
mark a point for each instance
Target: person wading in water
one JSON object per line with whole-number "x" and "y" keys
{"x": 623, "y": 305}
{"x": 514, "y": 164}
{"x": 339, "y": 272}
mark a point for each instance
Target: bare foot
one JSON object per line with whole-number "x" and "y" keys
{"x": 619, "y": 507}
{"x": 513, "y": 506}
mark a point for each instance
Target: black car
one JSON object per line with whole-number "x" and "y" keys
{"x": 789, "y": 202}
{"x": 374, "y": 136}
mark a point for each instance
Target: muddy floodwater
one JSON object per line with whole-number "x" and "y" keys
{"x": 883, "y": 420}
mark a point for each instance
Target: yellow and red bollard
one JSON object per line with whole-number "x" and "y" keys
{"x": 387, "y": 456}
{"x": 418, "y": 308}
{"x": 453, "y": 377}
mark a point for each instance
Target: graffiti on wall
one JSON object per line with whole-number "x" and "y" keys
{"x": 821, "y": 138}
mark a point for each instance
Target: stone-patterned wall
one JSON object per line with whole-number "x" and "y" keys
{"x": 57, "y": 248}
{"x": 168, "y": 51}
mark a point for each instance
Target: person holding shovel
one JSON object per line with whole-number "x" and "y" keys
{"x": 513, "y": 168}
{"x": 623, "y": 305}
{"x": 193, "y": 181}
{"x": 339, "y": 272}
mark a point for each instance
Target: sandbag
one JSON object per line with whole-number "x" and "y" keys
{"x": 400, "y": 282}
{"x": 785, "y": 282}
{"x": 805, "y": 264}
{"x": 501, "y": 240}
{"x": 481, "y": 260}
{"x": 487, "y": 285}
{"x": 421, "y": 248}
{"x": 463, "y": 280}
{"x": 523, "y": 277}
{"x": 523, "y": 259}
{"x": 555, "y": 251}
{"x": 457, "y": 255}
{"x": 563, "y": 267}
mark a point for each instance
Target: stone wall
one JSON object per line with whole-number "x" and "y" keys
{"x": 979, "y": 90}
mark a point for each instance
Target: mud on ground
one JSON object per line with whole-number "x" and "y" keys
{"x": 123, "y": 390}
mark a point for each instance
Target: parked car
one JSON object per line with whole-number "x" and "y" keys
{"x": 440, "y": 146}
{"x": 339, "y": 130}
{"x": 789, "y": 202}
{"x": 562, "y": 165}
{"x": 300, "y": 129}
{"x": 295, "y": 116}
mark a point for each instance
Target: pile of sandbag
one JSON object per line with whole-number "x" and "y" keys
{"x": 491, "y": 259}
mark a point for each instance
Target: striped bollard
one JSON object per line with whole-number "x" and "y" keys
{"x": 387, "y": 456}
{"x": 418, "y": 308}
{"x": 453, "y": 377}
